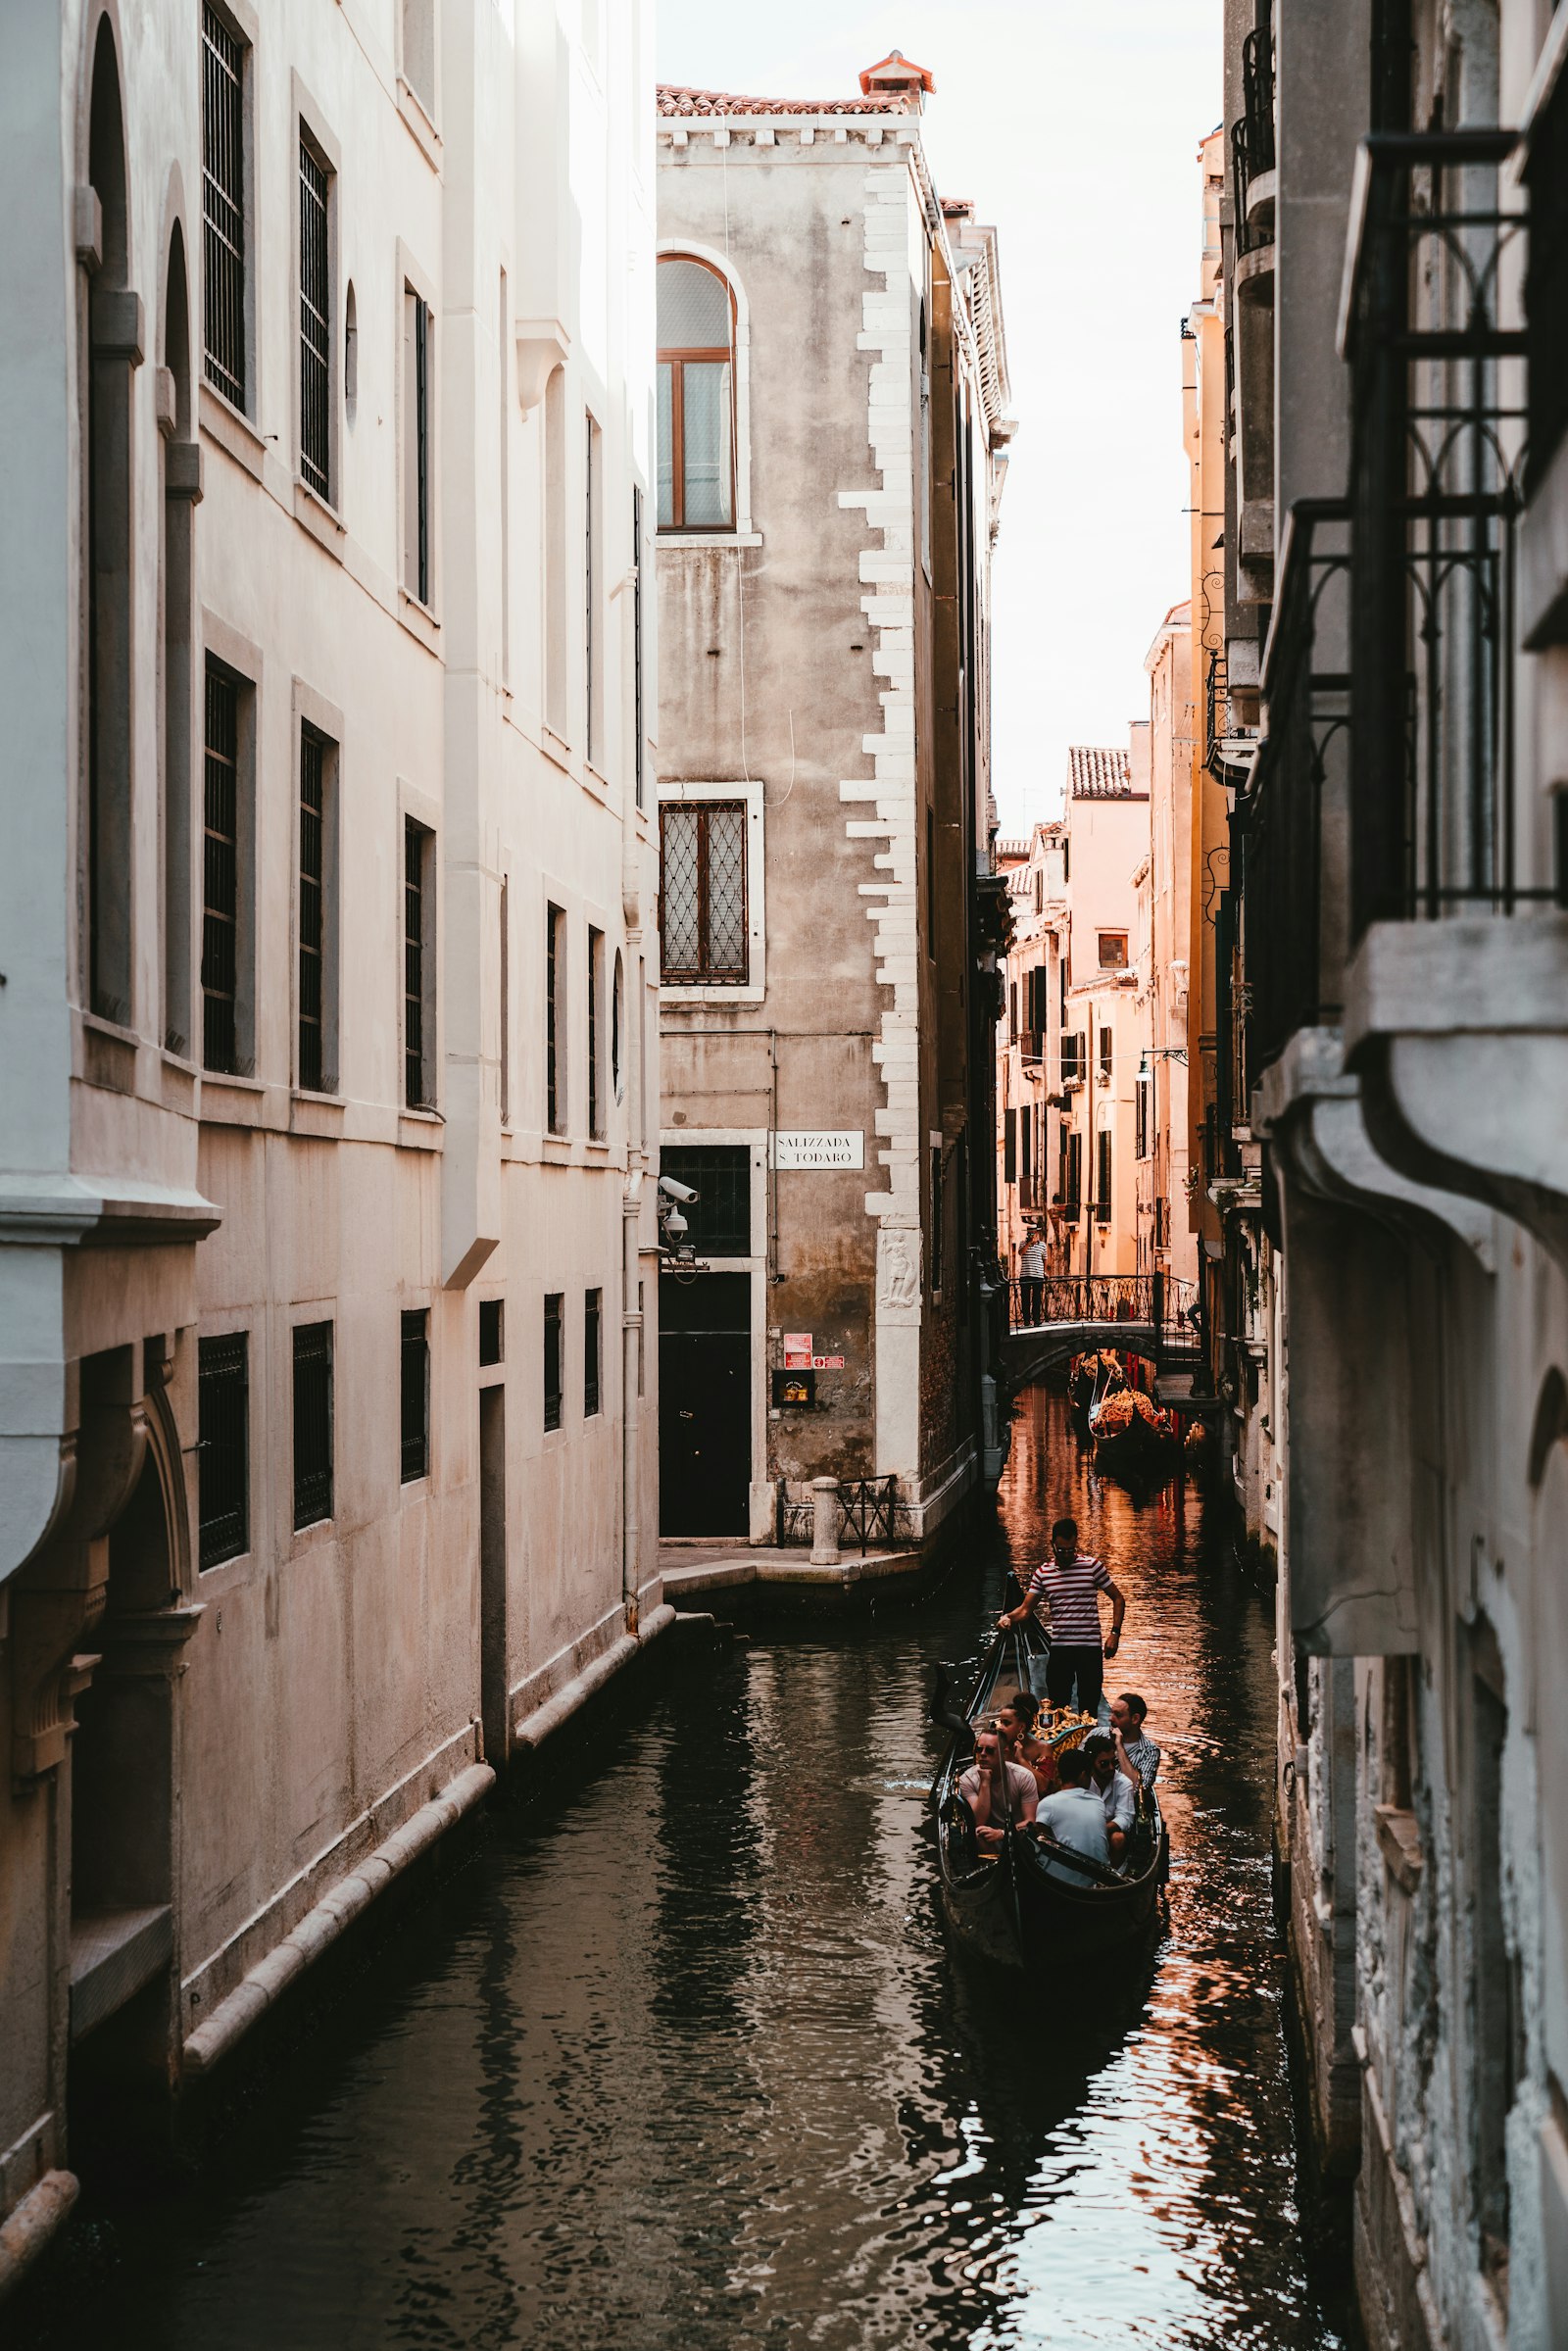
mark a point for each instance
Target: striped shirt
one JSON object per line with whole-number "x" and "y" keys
{"x": 1144, "y": 1756}
{"x": 1072, "y": 1594}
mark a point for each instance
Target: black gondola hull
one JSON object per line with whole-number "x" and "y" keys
{"x": 1012, "y": 1910}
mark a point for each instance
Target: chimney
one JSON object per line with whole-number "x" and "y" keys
{"x": 894, "y": 77}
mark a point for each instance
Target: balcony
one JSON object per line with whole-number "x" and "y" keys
{"x": 1252, "y": 141}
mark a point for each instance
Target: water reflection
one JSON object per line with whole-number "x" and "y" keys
{"x": 687, "y": 2065}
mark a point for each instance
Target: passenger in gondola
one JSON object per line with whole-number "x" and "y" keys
{"x": 1000, "y": 1794}
{"x": 1018, "y": 1721}
{"x": 1076, "y": 1818}
{"x": 1114, "y": 1788}
{"x": 1137, "y": 1755}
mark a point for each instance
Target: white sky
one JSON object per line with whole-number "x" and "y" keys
{"x": 1074, "y": 124}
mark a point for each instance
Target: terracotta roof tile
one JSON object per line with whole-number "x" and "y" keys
{"x": 1094, "y": 773}
{"x": 676, "y": 102}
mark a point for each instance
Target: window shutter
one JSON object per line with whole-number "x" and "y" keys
{"x": 1009, "y": 1148}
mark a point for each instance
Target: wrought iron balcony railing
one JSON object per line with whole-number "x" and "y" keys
{"x": 1253, "y": 134}
{"x": 1386, "y": 786}
{"x": 1438, "y": 437}
{"x": 1295, "y": 799}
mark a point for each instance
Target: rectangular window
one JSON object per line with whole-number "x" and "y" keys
{"x": 1012, "y": 1013}
{"x": 1009, "y": 1147}
{"x": 220, "y": 874}
{"x": 637, "y": 720}
{"x": 555, "y": 1303}
{"x": 419, "y": 1038}
{"x": 592, "y": 1315}
{"x": 492, "y": 1332}
{"x": 418, "y": 51}
{"x": 1074, "y": 1057}
{"x": 315, "y": 324}
{"x": 936, "y": 1218}
{"x": 1113, "y": 950}
{"x": 1103, "y": 1175}
{"x": 223, "y": 1381}
{"x": 596, "y": 1031}
{"x": 314, "y": 749}
{"x": 416, "y": 355}
{"x": 224, "y": 206}
{"x": 719, "y": 1219}
{"x": 313, "y": 1423}
{"x": 1026, "y": 1128}
{"x": 1073, "y": 1177}
{"x": 555, "y": 1021}
{"x": 1144, "y": 1098}
{"x": 594, "y": 706}
{"x": 1104, "y": 1052}
{"x": 702, "y": 904}
{"x": 415, "y": 1417}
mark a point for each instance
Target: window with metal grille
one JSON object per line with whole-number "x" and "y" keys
{"x": 492, "y": 1331}
{"x": 637, "y": 721}
{"x": 554, "y": 1304}
{"x": 416, "y": 445}
{"x": 555, "y": 1033}
{"x": 313, "y": 1423}
{"x": 222, "y": 1382}
{"x": 1102, "y": 1177}
{"x": 720, "y": 1220}
{"x": 315, "y": 324}
{"x": 224, "y": 206}
{"x": 415, "y": 1397}
{"x": 596, "y": 1031}
{"x": 311, "y": 908}
{"x": 415, "y": 974}
{"x": 220, "y": 874}
{"x": 702, "y": 904}
{"x": 592, "y": 1315}
{"x": 696, "y": 405}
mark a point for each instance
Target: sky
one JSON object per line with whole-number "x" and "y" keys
{"x": 1074, "y": 126}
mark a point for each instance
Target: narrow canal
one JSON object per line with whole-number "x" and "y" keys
{"x": 682, "y": 2063}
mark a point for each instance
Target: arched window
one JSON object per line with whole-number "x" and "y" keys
{"x": 696, "y": 398}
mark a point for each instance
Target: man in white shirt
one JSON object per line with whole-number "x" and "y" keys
{"x": 1114, "y": 1788}
{"x": 1001, "y": 1795}
{"x": 1031, "y": 1278}
{"x": 1074, "y": 1818}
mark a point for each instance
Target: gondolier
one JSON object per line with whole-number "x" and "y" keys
{"x": 1070, "y": 1582}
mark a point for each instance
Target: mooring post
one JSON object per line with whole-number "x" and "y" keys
{"x": 824, "y": 1522}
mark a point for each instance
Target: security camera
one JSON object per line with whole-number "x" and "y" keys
{"x": 681, "y": 1191}
{"x": 675, "y": 1227}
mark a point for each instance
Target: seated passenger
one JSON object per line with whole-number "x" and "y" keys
{"x": 1000, "y": 1794}
{"x": 1114, "y": 1788}
{"x": 1018, "y": 1721}
{"x": 1074, "y": 1818}
{"x": 1136, "y": 1756}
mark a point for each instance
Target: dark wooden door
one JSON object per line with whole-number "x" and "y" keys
{"x": 705, "y": 1404}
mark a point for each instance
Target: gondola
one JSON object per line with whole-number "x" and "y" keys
{"x": 1009, "y": 1908}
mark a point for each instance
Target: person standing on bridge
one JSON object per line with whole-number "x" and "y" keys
{"x": 1070, "y": 1582}
{"x": 1032, "y": 1278}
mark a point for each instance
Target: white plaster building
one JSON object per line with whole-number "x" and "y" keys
{"x": 833, "y": 418}
{"x": 1029, "y": 1096}
{"x": 1392, "y": 1018}
{"x": 327, "y": 1044}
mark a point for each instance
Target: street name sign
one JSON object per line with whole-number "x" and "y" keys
{"x": 808, "y": 1147}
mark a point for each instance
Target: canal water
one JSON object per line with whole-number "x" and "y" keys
{"x": 683, "y": 2063}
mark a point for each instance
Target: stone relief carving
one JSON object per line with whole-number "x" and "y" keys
{"x": 897, "y": 1270}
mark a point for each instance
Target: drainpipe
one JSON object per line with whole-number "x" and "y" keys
{"x": 631, "y": 1204}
